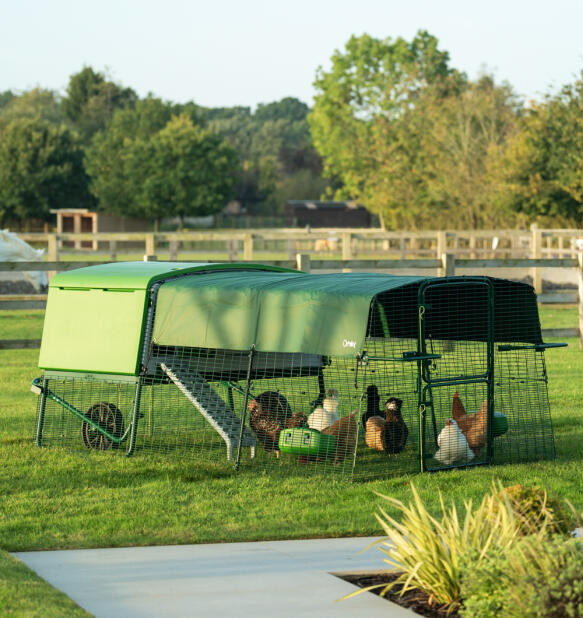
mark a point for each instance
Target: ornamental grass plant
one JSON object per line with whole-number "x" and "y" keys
{"x": 430, "y": 551}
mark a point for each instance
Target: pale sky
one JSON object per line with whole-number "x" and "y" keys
{"x": 244, "y": 52}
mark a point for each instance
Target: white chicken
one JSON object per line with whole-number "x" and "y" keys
{"x": 453, "y": 445}
{"x": 327, "y": 414}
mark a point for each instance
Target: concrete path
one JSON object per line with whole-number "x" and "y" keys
{"x": 274, "y": 578}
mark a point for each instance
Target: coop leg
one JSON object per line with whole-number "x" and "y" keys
{"x": 135, "y": 417}
{"x": 245, "y": 402}
{"x": 41, "y": 413}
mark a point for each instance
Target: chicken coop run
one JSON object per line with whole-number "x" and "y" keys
{"x": 359, "y": 375}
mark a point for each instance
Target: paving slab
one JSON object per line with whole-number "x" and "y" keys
{"x": 280, "y": 578}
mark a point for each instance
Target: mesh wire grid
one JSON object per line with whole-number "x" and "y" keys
{"x": 430, "y": 356}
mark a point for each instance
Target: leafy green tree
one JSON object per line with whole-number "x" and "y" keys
{"x": 189, "y": 171}
{"x": 41, "y": 167}
{"x": 153, "y": 163}
{"x": 363, "y": 123}
{"x": 6, "y": 97}
{"x": 275, "y": 146}
{"x": 91, "y": 100}
{"x": 35, "y": 104}
{"x": 544, "y": 163}
{"x": 463, "y": 145}
{"x": 115, "y": 180}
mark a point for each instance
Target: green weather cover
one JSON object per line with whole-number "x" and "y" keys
{"x": 276, "y": 312}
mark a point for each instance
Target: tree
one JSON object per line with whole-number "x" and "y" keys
{"x": 91, "y": 101}
{"x": 544, "y": 164}
{"x": 363, "y": 123}
{"x": 190, "y": 171}
{"x": 109, "y": 156}
{"x": 153, "y": 163}
{"x": 35, "y": 104}
{"x": 276, "y": 150}
{"x": 464, "y": 144}
{"x": 40, "y": 168}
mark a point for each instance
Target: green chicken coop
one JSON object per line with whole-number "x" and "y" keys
{"x": 361, "y": 375}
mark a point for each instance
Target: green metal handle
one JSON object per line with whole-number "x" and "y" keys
{"x": 539, "y": 347}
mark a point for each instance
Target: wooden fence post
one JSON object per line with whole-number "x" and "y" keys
{"x": 303, "y": 262}
{"x": 173, "y": 250}
{"x": 113, "y": 250}
{"x": 346, "y": 246}
{"x": 150, "y": 244}
{"x": 447, "y": 264}
{"x": 52, "y": 253}
{"x": 248, "y": 247}
{"x": 536, "y": 254}
{"x": 441, "y": 244}
{"x": 580, "y": 288}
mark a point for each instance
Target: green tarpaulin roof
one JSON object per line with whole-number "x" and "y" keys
{"x": 276, "y": 312}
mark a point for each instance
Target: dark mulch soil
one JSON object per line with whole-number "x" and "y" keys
{"x": 414, "y": 600}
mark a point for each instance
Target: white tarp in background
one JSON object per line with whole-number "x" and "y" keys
{"x": 13, "y": 249}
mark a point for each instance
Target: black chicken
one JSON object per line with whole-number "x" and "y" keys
{"x": 373, "y": 404}
{"x": 396, "y": 431}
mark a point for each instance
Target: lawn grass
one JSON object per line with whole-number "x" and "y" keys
{"x": 53, "y": 499}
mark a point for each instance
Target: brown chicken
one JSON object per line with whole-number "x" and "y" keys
{"x": 270, "y": 413}
{"x": 474, "y": 426}
{"x": 374, "y": 436}
{"x": 345, "y": 430}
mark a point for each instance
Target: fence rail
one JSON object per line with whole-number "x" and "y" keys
{"x": 445, "y": 266}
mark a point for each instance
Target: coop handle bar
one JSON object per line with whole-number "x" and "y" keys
{"x": 539, "y": 347}
{"x": 37, "y": 388}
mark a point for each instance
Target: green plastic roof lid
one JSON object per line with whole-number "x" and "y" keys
{"x": 276, "y": 312}
{"x": 140, "y": 275}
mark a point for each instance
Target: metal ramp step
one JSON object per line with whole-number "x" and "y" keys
{"x": 220, "y": 416}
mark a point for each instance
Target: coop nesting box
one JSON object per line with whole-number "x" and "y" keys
{"x": 355, "y": 374}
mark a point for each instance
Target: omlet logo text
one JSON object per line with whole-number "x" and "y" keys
{"x": 348, "y": 344}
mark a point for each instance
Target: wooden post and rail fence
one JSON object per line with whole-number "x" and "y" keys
{"x": 446, "y": 265}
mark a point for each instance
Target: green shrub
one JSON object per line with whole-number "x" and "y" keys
{"x": 533, "y": 579}
{"x": 484, "y": 585}
{"x": 546, "y": 580}
{"x": 535, "y": 508}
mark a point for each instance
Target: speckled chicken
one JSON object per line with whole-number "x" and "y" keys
{"x": 270, "y": 413}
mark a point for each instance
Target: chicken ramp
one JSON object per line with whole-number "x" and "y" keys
{"x": 204, "y": 398}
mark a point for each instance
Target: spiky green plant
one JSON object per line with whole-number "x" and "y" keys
{"x": 429, "y": 551}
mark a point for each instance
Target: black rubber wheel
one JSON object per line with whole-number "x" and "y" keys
{"x": 107, "y": 416}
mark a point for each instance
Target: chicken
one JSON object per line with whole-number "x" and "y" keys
{"x": 270, "y": 413}
{"x": 453, "y": 446}
{"x": 374, "y": 436}
{"x": 345, "y": 430}
{"x": 326, "y": 414}
{"x": 387, "y": 434}
{"x": 396, "y": 431}
{"x": 474, "y": 426}
{"x": 373, "y": 404}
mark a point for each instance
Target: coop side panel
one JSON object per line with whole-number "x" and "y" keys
{"x": 93, "y": 330}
